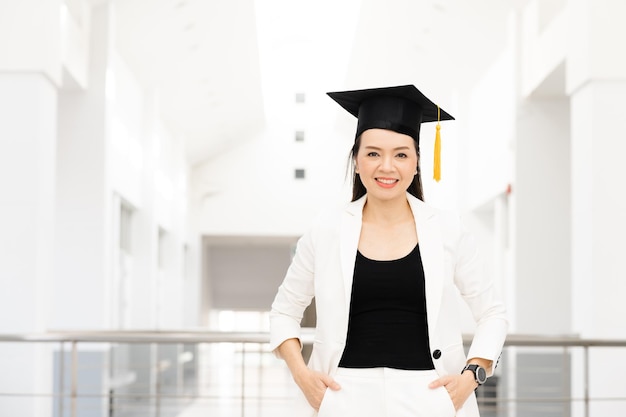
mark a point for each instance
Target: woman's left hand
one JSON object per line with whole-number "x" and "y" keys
{"x": 459, "y": 387}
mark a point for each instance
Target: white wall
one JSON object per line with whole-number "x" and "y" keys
{"x": 75, "y": 18}
{"x": 594, "y": 33}
{"x": 31, "y": 37}
{"x": 251, "y": 190}
{"x": 486, "y": 147}
{"x": 113, "y": 150}
{"x": 544, "y": 42}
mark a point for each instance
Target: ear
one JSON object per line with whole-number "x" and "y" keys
{"x": 417, "y": 167}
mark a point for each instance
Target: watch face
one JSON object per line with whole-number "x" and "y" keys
{"x": 481, "y": 375}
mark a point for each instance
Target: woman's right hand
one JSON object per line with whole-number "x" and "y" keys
{"x": 313, "y": 385}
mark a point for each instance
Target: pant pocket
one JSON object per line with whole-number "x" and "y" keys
{"x": 443, "y": 403}
{"x": 325, "y": 409}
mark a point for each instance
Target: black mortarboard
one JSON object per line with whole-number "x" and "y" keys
{"x": 400, "y": 108}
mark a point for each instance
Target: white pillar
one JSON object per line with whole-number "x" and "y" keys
{"x": 27, "y": 173}
{"x": 596, "y": 82}
{"x": 30, "y": 73}
{"x": 599, "y": 207}
{"x": 598, "y": 231}
{"x": 84, "y": 215}
{"x": 542, "y": 231}
{"x": 143, "y": 309}
{"x": 27, "y": 181}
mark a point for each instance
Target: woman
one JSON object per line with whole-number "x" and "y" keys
{"x": 386, "y": 272}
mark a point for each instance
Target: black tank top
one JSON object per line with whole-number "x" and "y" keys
{"x": 387, "y": 325}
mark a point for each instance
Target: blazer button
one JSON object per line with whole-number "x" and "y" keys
{"x": 437, "y": 354}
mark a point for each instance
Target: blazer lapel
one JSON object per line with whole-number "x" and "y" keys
{"x": 431, "y": 250}
{"x": 349, "y": 242}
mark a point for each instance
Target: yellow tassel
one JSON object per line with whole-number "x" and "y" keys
{"x": 437, "y": 162}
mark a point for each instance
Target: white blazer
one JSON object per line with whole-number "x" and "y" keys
{"x": 323, "y": 268}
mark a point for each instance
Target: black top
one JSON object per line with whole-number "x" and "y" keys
{"x": 387, "y": 326}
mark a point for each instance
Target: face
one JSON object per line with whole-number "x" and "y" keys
{"x": 386, "y": 163}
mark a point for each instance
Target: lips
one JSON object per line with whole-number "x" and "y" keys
{"x": 386, "y": 182}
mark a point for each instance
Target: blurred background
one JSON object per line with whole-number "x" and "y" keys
{"x": 160, "y": 158}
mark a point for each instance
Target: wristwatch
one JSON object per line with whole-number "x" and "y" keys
{"x": 480, "y": 375}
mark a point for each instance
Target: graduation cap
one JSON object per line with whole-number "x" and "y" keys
{"x": 400, "y": 108}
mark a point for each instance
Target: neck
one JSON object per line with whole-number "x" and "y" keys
{"x": 387, "y": 211}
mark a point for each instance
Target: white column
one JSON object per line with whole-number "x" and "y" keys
{"x": 27, "y": 173}
{"x": 84, "y": 215}
{"x": 145, "y": 255}
{"x": 542, "y": 230}
{"x": 83, "y": 284}
{"x": 599, "y": 230}
{"x": 30, "y": 73}
{"x": 596, "y": 82}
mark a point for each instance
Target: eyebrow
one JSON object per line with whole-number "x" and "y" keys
{"x": 395, "y": 149}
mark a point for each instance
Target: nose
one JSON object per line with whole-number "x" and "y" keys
{"x": 386, "y": 164}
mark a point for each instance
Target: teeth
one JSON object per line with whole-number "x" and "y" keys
{"x": 386, "y": 181}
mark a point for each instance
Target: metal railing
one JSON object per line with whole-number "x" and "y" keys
{"x": 173, "y": 373}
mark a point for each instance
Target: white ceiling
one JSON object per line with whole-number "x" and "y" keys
{"x": 203, "y": 56}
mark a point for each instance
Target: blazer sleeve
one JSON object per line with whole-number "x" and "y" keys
{"x": 294, "y": 294}
{"x": 478, "y": 291}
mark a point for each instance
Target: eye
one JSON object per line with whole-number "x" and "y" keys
{"x": 402, "y": 155}
{"x": 373, "y": 153}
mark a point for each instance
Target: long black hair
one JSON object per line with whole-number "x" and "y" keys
{"x": 359, "y": 190}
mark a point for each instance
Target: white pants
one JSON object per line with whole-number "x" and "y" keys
{"x": 386, "y": 392}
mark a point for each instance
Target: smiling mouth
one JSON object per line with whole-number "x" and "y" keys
{"x": 387, "y": 181}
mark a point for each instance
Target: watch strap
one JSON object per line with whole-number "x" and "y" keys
{"x": 474, "y": 368}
